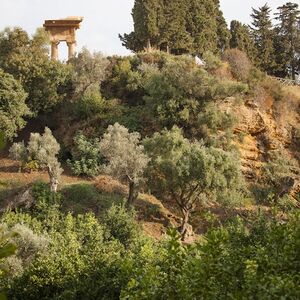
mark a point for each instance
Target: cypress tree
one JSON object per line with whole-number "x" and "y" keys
{"x": 178, "y": 26}
{"x": 146, "y": 17}
{"x": 202, "y": 24}
{"x": 223, "y": 34}
{"x": 241, "y": 39}
{"x": 288, "y": 40}
{"x": 263, "y": 35}
{"x": 174, "y": 36}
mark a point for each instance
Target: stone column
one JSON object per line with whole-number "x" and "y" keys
{"x": 71, "y": 49}
{"x": 54, "y": 50}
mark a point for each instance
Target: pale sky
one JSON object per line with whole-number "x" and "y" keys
{"x": 103, "y": 19}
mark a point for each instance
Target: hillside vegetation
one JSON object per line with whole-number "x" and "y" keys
{"x": 149, "y": 176}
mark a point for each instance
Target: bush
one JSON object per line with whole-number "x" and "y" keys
{"x": 29, "y": 244}
{"x": 240, "y": 64}
{"x": 90, "y": 104}
{"x": 86, "y": 156}
{"x": 212, "y": 62}
{"x": 121, "y": 224}
{"x": 239, "y": 262}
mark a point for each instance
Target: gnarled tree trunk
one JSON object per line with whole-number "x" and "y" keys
{"x": 53, "y": 179}
{"x": 132, "y": 195}
{"x": 184, "y": 230}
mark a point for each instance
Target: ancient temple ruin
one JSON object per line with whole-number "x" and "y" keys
{"x": 63, "y": 30}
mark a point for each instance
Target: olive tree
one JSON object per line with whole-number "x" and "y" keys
{"x": 189, "y": 173}
{"x": 125, "y": 157}
{"x": 43, "y": 149}
{"x": 12, "y": 105}
{"x": 89, "y": 70}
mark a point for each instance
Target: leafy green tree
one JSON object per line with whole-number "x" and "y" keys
{"x": 46, "y": 82}
{"x": 43, "y": 149}
{"x": 12, "y": 105}
{"x": 89, "y": 70}
{"x": 189, "y": 173}
{"x": 241, "y": 39}
{"x": 263, "y": 36}
{"x": 125, "y": 157}
{"x": 202, "y": 25}
{"x": 86, "y": 156}
{"x": 288, "y": 40}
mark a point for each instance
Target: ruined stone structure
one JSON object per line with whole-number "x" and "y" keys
{"x": 63, "y": 30}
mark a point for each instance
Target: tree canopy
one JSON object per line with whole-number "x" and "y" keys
{"x": 13, "y": 108}
{"x": 178, "y": 27}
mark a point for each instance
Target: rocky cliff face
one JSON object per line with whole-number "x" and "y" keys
{"x": 265, "y": 125}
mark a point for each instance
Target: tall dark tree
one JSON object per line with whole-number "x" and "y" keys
{"x": 223, "y": 34}
{"x": 178, "y": 26}
{"x": 202, "y": 26}
{"x": 174, "y": 36}
{"x": 263, "y": 35}
{"x": 146, "y": 16}
{"x": 288, "y": 40}
{"x": 241, "y": 39}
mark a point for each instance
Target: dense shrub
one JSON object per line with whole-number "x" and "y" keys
{"x": 90, "y": 104}
{"x": 121, "y": 224}
{"x": 12, "y": 106}
{"x": 240, "y": 64}
{"x": 216, "y": 126}
{"x": 212, "y": 62}
{"x": 86, "y": 156}
{"x": 88, "y": 260}
{"x": 177, "y": 90}
{"x": 233, "y": 262}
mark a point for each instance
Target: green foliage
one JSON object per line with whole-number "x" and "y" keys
{"x": 89, "y": 71}
{"x": 278, "y": 179}
{"x": 84, "y": 197}
{"x": 86, "y": 156}
{"x": 12, "y": 106}
{"x": 287, "y": 40}
{"x": 189, "y": 173}
{"x": 176, "y": 91}
{"x": 125, "y": 157}
{"x": 177, "y": 27}
{"x": 45, "y": 200}
{"x": 2, "y": 141}
{"x": 121, "y": 224}
{"x": 83, "y": 261}
{"x": 263, "y": 36}
{"x": 216, "y": 127}
{"x": 7, "y": 249}
{"x": 90, "y": 104}
{"x": 44, "y": 150}
{"x": 212, "y": 62}
{"x": 46, "y": 82}
{"x": 233, "y": 262}
{"x": 241, "y": 39}
{"x": 124, "y": 80}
